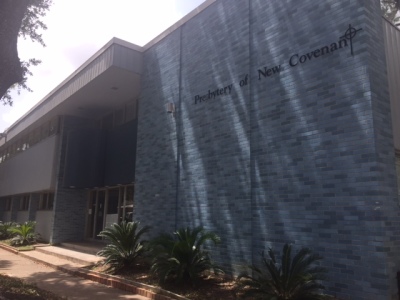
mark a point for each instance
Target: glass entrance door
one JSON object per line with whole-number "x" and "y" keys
{"x": 100, "y": 208}
{"x": 107, "y": 206}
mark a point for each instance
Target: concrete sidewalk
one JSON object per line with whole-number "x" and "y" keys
{"x": 58, "y": 282}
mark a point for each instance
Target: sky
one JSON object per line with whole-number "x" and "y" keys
{"x": 79, "y": 28}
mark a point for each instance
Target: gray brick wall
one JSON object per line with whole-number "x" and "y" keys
{"x": 214, "y": 143}
{"x": 304, "y": 155}
{"x": 155, "y": 179}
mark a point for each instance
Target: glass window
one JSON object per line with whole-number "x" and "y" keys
{"x": 45, "y": 130}
{"x": 7, "y": 203}
{"x": 119, "y": 117}
{"x": 46, "y": 201}
{"x": 129, "y": 203}
{"x": 107, "y": 122}
{"x": 24, "y": 202}
{"x": 54, "y": 126}
{"x": 113, "y": 197}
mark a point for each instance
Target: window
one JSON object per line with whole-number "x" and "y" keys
{"x": 119, "y": 117}
{"x": 130, "y": 111}
{"x": 18, "y": 146}
{"x": 29, "y": 139}
{"x": 8, "y": 204}
{"x": 44, "y": 130}
{"x": 107, "y": 121}
{"x": 54, "y": 126}
{"x": 129, "y": 203}
{"x": 24, "y": 202}
{"x": 46, "y": 201}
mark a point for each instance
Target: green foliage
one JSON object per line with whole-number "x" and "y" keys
{"x": 124, "y": 245}
{"x": 32, "y": 23}
{"x": 179, "y": 256}
{"x": 4, "y": 230}
{"x": 295, "y": 278}
{"x": 24, "y": 234}
{"x": 31, "y": 27}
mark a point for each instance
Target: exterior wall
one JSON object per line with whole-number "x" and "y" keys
{"x": 22, "y": 217}
{"x": 214, "y": 145}
{"x": 44, "y": 224}
{"x": 392, "y": 46}
{"x": 69, "y": 204}
{"x": 303, "y": 155}
{"x": 158, "y": 131}
{"x": 6, "y": 216}
{"x": 31, "y": 170}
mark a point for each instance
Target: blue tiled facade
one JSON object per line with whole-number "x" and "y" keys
{"x": 282, "y": 133}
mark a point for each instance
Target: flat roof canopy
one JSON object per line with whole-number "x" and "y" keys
{"x": 108, "y": 79}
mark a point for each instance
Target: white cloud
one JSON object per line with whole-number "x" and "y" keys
{"x": 77, "y": 29}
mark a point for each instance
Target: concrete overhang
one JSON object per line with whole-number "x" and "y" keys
{"x": 110, "y": 78}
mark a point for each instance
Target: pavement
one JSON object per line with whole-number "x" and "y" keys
{"x": 60, "y": 271}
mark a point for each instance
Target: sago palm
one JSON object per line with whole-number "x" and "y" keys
{"x": 4, "y": 230}
{"x": 295, "y": 278}
{"x": 24, "y": 233}
{"x": 125, "y": 244}
{"x": 179, "y": 256}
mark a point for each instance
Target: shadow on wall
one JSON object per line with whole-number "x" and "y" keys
{"x": 285, "y": 158}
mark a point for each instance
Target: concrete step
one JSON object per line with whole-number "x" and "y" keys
{"x": 85, "y": 247}
{"x": 79, "y": 258}
{"x": 50, "y": 260}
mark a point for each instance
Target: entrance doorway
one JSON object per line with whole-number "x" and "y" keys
{"x": 107, "y": 206}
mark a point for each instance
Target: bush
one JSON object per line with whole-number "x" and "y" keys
{"x": 4, "y": 230}
{"x": 293, "y": 279}
{"x": 124, "y": 245}
{"x": 179, "y": 256}
{"x": 24, "y": 234}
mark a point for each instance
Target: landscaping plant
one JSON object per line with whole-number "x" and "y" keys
{"x": 24, "y": 234}
{"x": 294, "y": 278}
{"x": 179, "y": 256}
{"x": 4, "y": 230}
{"x": 125, "y": 245}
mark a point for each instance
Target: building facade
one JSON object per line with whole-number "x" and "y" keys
{"x": 268, "y": 122}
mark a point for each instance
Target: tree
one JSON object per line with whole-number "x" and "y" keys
{"x": 390, "y": 9}
{"x": 18, "y": 18}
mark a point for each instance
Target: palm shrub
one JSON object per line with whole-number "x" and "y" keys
{"x": 179, "y": 256}
{"x": 124, "y": 245}
{"x": 24, "y": 234}
{"x": 294, "y": 278}
{"x": 4, "y": 230}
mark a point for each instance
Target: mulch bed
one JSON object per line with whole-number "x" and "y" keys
{"x": 209, "y": 287}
